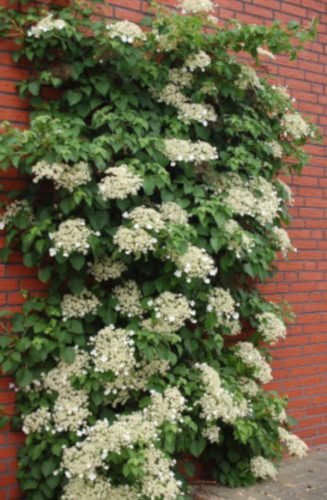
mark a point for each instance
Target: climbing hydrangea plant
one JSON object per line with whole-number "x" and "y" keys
{"x": 153, "y": 208}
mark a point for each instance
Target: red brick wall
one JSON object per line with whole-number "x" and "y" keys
{"x": 300, "y": 363}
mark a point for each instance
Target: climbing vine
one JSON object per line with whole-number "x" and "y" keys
{"x": 152, "y": 209}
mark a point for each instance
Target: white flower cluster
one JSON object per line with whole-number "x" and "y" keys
{"x": 70, "y": 410}
{"x": 239, "y": 241}
{"x": 278, "y": 414}
{"x": 270, "y": 327}
{"x": 180, "y": 77}
{"x": 247, "y": 78}
{"x": 248, "y": 386}
{"x": 128, "y": 296}
{"x": 146, "y": 218}
{"x": 126, "y": 31}
{"x": 100, "y": 489}
{"x": 119, "y": 183}
{"x": 182, "y": 150}
{"x": 171, "y": 94}
{"x": 188, "y": 111}
{"x": 106, "y": 268}
{"x": 137, "y": 241}
{"x": 78, "y": 306}
{"x": 45, "y": 25}
{"x": 293, "y": 125}
{"x": 212, "y": 433}
{"x": 282, "y": 91}
{"x": 171, "y": 311}
{"x": 113, "y": 351}
{"x": 197, "y": 112}
{"x": 159, "y": 480}
{"x": 134, "y": 380}
{"x": 168, "y": 406}
{"x": 252, "y": 358}
{"x": 200, "y": 60}
{"x": 71, "y": 236}
{"x": 294, "y": 445}
{"x": 255, "y": 197}
{"x": 172, "y": 212}
{"x": 37, "y": 421}
{"x": 85, "y": 458}
{"x": 64, "y": 176}
{"x": 196, "y": 6}
{"x": 276, "y": 149}
{"x": 216, "y": 402}
{"x": 266, "y": 199}
{"x": 224, "y": 306}
{"x": 282, "y": 240}
{"x": 195, "y": 263}
{"x": 12, "y": 210}
{"x": 262, "y": 468}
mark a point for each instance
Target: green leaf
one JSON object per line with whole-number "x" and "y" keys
{"x": 102, "y": 87}
{"x": 34, "y": 88}
{"x": 24, "y": 376}
{"x": 67, "y": 354}
{"x": 48, "y": 467}
{"x": 73, "y": 97}
{"x": 44, "y": 274}
{"x": 77, "y": 261}
{"x": 75, "y": 326}
{"x": 197, "y": 446}
{"x": 76, "y": 285}
{"x": 29, "y": 260}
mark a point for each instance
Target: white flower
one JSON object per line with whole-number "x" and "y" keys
{"x": 12, "y": 210}
{"x": 239, "y": 241}
{"x": 247, "y": 78}
{"x": 64, "y": 176}
{"x": 113, "y": 351}
{"x": 270, "y": 327}
{"x": 216, "y": 402}
{"x": 196, "y": 6}
{"x": 295, "y": 445}
{"x": 282, "y": 240}
{"x": 224, "y": 306}
{"x": 131, "y": 240}
{"x": 172, "y": 212}
{"x": 46, "y": 24}
{"x": 71, "y": 236}
{"x": 295, "y": 126}
{"x": 276, "y": 149}
{"x": 195, "y": 263}
{"x": 262, "y": 468}
{"x": 199, "y": 60}
{"x": 182, "y": 150}
{"x": 36, "y": 421}
{"x": 251, "y": 357}
{"x": 254, "y": 197}
{"x": 119, "y": 183}
{"x": 126, "y": 31}
{"x": 77, "y": 306}
{"x": 105, "y": 268}
{"x": 172, "y": 311}
{"x": 129, "y": 298}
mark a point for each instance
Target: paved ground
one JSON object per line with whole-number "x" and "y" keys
{"x": 298, "y": 479}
